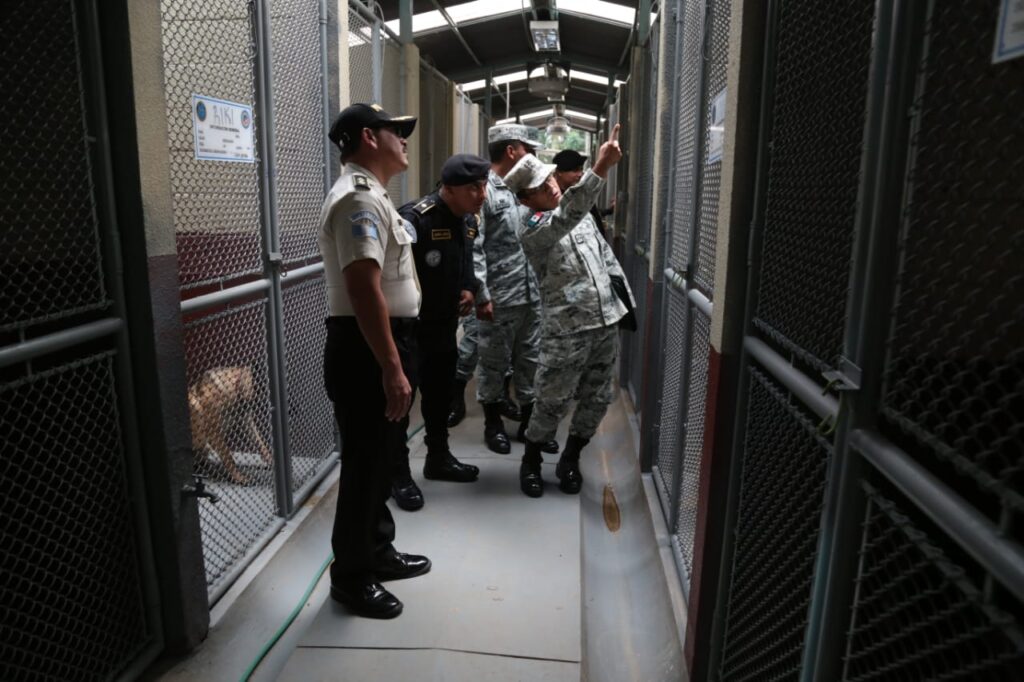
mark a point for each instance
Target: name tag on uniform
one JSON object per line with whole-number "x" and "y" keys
{"x": 440, "y": 235}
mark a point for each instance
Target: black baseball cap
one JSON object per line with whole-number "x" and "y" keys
{"x": 354, "y": 118}
{"x": 569, "y": 160}
{"x": 464, "y": 169}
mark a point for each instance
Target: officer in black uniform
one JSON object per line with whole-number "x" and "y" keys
{"x": 446, "y": 223}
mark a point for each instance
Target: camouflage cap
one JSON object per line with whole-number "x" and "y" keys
{"x": 528, "y": 173}
{"x": 514, "y": 131}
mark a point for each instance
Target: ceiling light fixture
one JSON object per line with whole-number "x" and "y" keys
{"x": 545, "y": 36}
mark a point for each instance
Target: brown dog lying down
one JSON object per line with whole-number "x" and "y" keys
{"x": 219, "y": 403}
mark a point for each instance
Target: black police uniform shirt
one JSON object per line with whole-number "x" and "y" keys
{"x": 444, "y": 256}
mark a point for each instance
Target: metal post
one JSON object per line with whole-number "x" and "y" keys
{"x": 661, "y": 297}
{"x": 378, "y": 61}
{"x": 405, "y": 21}
{"x": 110, "y": 247}
{"x": 273, "y": 260}
{"x": 716, "y": 642}
{"x": 897, "y": 39}
{"x": 326, "y": 94}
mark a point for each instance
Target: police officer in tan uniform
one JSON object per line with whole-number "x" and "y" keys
{"x": 374, "y": 298}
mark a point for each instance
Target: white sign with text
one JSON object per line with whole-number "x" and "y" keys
{"x": 223, "y": 130}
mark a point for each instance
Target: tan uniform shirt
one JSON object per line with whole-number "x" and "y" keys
{"x": 358, "y": 221}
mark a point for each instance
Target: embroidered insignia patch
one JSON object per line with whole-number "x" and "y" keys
{"x": 535, "y": 219}
{"x": 365, "y": 224}
{"x": 471, "y": 233}
{"x": 361, "y": 181}
{"x": 433, "y": 258}
{"x": 440, "y": 235}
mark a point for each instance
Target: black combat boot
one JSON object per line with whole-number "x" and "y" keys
{"x": 457, "y": 412}
{"x": 494, "y": 429}
{"x": 570, "y": 480}
{"x": 530, "y": 481}
{"x": 550, "y": 447}
{"x": 441, "y": 465}
{"x": 509, "y": 409}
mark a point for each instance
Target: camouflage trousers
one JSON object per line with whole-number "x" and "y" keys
{"x": 511, "y": 339}
{"x": 582, "y": 365}
{"x": 468, "y": 354}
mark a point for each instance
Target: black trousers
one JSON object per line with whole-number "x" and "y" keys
{"x": 436, "y": 357}
{"x": 363, "y": 526}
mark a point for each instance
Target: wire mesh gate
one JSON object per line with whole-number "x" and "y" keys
{"x": 77, "y": 581}
{"x": 875, "y": 505}
{"x": 253, "y": 304}
{"x": 693, "y": 73}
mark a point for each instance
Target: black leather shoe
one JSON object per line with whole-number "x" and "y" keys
{"x": 550, "y": 447}
{"x": 444, "y": 467}
{"x": 494, "y": 430}
{"x": 369, "y": 600}
{"x": 570, "y": 480}
{"x": 530, "y": 481}
{"x": 400, "y": 566}
{"x": 407, "y": 494}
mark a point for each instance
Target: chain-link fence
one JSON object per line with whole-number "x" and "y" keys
{"x": 955, "y": 373}
{"x": 50, "y": 264}
{"x": 210, "y": 50}
{"x": 261, "y": 426}
{"x": 934, "y": 491}
{"x": 434, "y": 133}
{"x": 392, "y": 101}
{"x": 230, "y": 411}
{"x": 920, "y": 613}
{"x": 298, "y": 118}
{"x": 781, "y": 499}
{"x": 361, "y": 58}
{"x": 70, "y": 578}
{"x": 813, "y": 177}
{"x": 76, "y": 574}
{"x": 690, "y": 204}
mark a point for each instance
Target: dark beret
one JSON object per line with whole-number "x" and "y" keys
{"x": 569, "y": 160}
{"x": 463, "y": 169}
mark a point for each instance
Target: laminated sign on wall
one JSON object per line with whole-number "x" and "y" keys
{"x": 223, "y": 130}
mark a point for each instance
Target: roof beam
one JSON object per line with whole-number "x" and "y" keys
{"x": 517, "y": 63}
{"x": 456, "y": 31}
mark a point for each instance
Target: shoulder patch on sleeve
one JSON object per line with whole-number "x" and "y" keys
{"x": 365, "y": 224}
{"x": 361, "y": 181}
{"x": 536, "y": 219}
{"x": 427, "y": 203}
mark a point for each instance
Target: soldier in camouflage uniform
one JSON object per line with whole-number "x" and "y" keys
{"x": 579, "y": 329}
{"x": 468, "y": 357}
{"x": 508, "y": 301}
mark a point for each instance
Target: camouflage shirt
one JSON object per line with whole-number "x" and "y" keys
{"x": 499, "y": 263}
{"x": 573, "y": 263}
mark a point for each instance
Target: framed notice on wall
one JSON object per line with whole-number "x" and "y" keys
{"x": 1009, "y": 31}
{"x": 223, "y": 130}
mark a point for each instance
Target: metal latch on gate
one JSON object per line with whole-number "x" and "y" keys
{"x": 844, "y": 378}
{"x": 276, "y": 258}
{"x": 198, "y": 489}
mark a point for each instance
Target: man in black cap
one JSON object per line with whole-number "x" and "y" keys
{"x": 568, "y": 171}
{"x": 374, "y": 299}
{"x": 446, "y": 223}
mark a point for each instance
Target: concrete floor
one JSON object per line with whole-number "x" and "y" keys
{"x": 521, "y": 589}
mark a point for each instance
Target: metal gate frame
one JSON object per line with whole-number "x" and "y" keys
{"x": 271, "y": 286}
{"x": 847, "y": 396}
{"x": 110, "y": 330}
